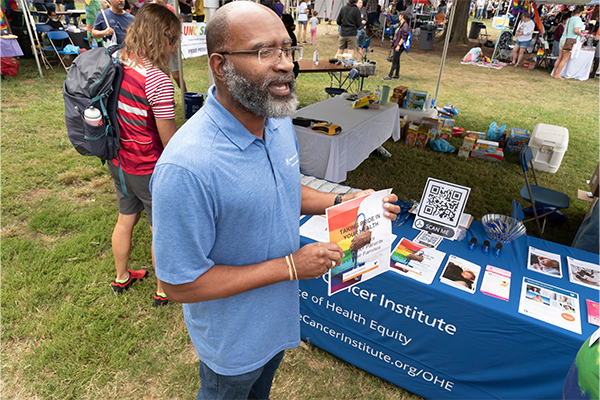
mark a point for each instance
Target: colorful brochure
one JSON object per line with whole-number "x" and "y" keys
{"x": 496, "y": 282}
{"x": 416, "y": 261}
{"x": 543, "y": 262}
{"x": 461, "y": 274}
{"x": 364, "y": 235}
{"x": 593, "y": 312}
{"x": 584, "y": 273}
{"x": 550, "y": 304}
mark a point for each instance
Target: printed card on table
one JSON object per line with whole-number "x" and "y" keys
{"x": 496, "y": 282}
{"x": 441, "y": 207}
{"x": 428, "y": 239}
{"x": 359, "y": 227}
{"x": 550, "y": 304}
{"x": 461, "y": 274}
{"x": 543, "y": 262}
{"x": 416, "y": 261}
{"x": 584, "y": 273}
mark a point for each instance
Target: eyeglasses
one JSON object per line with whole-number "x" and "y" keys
{"x": 172, "y": 39}
{"x": 272, "y": 55}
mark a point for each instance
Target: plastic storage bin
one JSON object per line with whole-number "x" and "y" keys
{"x": 548, "y": 144}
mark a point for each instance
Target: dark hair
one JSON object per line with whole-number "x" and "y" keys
{"x": 405, "y": 14}
{"x": 578, "y": 9}
{"x": 352, "y": 1}
{"x": 288, "y": 21}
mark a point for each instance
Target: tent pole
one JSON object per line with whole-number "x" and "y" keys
{"x": 28, "y": 24}
{"x": 446, "y": 42}
{"x": 210, "y": 7}
{"x": 181, "y": 80}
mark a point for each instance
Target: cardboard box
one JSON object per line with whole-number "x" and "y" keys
{"x": 517, "y": 139}
{"x": 457, "y": 132}
{"x": 411, "y": 134}
{"x": 479, "y": 135}
{"x": 529, "y": 64}
{"x": 468, "y": 143}
{"x": 463, "y": 153}
{"x": 594, "y": 181}
{"x": 68, "y": 59}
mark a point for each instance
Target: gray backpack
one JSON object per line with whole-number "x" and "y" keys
{"x": 94, "y": 80}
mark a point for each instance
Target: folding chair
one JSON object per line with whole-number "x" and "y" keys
{"x": 538, "y": 195}
{"x": 55, "y": 36}
{"x": 377, "y": 29}
{"x": 350, "y": 79}
{"x": 440, "y": 21}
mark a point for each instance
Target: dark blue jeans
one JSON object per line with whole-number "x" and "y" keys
{"x": 396, "y": 62}
{"x": 252, "y": 385}
{"x": 70, "y": 6}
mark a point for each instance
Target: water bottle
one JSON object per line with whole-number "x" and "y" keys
{"x": 316, "y": 57}
{"x": 377, "y": 93}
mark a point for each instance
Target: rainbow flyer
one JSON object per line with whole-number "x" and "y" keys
{"x": 365, "y": 236}
{"x": 416, "y": 261}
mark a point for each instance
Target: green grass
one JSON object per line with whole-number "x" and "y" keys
{"x": 64, "y": 334}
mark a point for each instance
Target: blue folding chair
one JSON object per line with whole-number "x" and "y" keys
{"x": 58, "y": 37}
{"x": 539, "y": 195}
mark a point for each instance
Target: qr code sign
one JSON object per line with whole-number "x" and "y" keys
{"x": 443, "y": 202}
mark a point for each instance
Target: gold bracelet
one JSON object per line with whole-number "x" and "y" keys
{"x": 289, "y": 268}
{"x": 294, "y": 265}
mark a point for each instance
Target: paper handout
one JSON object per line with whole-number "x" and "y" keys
{"x": 364, "y": 235}
{"x": 416, "y": 261}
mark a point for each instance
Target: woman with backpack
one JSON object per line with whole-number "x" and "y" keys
{"x": 146, "y": 117}
{"x": 398, "y": 46}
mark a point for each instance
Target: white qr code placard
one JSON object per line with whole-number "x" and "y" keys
{"x": 441, "y": 207}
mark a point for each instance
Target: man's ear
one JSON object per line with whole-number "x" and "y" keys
{"x": 216, "y": 63}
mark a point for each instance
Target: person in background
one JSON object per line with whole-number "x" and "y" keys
{"x": 118, "y": 20}
{"x": 398, "y": 46}
{"x": 302, "y": 20}
{"x": 288, "y": 23}
{"x": 442, "y": 8}
{"x": 480, "y": 4}
{"x": 70, "y": 5}
{"x": 185, "y": 9}
{"x": 596, "y": 35}
{"x": 349, "y": 21}
{"x": 227, "y": 195}
{"x": 278, "y": 8}
{"x": 558, "y": 32}
{"x": 146, "y": 118}
{"x": 54, "y": 22}
{"x": 573, "y": 29}
{"x": 199, "y": 11}
{"x": 363, "y": 14}
{"x": 524, "y": 34}
{"x": 314, "y": 21}
{"x": 372, "y": 14}
{"x": 58, "y": 5}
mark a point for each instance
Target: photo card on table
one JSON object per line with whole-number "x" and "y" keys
{"x": 544, "y": 262}
{"x": 461, "y": 274}
{"x": 584, "y": 273}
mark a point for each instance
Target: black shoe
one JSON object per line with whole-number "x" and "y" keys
{"x": 387, "y": 78}
{"x": 160, "y": 300}
{"x": 395, "y": 77}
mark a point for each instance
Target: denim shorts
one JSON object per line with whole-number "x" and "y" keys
{"x": 524, "y": 43}
{"x": 138, "y": 192}
{"x": 302, "y": 22}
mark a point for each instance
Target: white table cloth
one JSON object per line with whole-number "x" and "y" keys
{"x": 579, "y": 68}
{"x": 331, "y": 157}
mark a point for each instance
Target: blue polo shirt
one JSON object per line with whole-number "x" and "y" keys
{"x": 222, "y": 196}
{"x": 119, "y": 23}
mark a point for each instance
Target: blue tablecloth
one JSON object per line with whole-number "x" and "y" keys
{"x": 441, "y": 342}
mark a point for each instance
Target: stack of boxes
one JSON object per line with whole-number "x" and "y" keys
{"x": 416, "y": 100}
{"x": 398, "y": 95}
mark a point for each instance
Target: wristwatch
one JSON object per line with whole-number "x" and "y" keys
{"x": 338, "y": 199}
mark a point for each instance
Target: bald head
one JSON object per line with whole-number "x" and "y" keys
{"x": 242, "y": 14}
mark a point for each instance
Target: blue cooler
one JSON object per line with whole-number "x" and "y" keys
{"x": 193, "y": 102}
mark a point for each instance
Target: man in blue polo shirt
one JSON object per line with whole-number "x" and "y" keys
{"x": 227, "y": 196}
{"x": 118, "y": 21}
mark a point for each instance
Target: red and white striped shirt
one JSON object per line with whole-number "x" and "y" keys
{"x": 146, "y": 94}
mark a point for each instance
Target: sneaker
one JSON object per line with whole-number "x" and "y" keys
{"x": 395, "y": 77}
{"x": 387, "y": 78}
{"x": 138, "y": 275}
{"x": 160, "y": 300}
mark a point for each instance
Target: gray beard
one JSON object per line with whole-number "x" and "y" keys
{"x": 255, "y": 98}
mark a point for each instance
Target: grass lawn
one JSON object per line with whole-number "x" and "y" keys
{"x": 66, "y": 336}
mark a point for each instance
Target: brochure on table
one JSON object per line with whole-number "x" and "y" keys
{"x": 584, "y": 273}
{"x": 359, "y": 227}
{"x": 496, "y": 282}
{"x": 441, "y": 208}
{"x": 416, "y": 261}
{"x": 550, "y": 304}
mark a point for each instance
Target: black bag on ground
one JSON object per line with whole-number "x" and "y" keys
{"x": 94, "y": 80}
